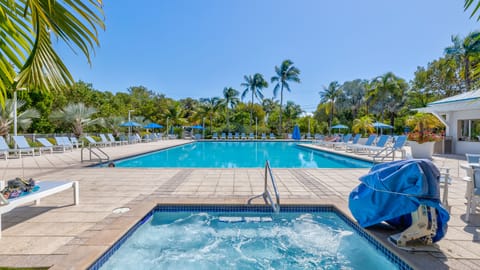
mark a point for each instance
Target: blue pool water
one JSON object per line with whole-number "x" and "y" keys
{"x": 242, "y": 155}
{"x": 235, "y": 238}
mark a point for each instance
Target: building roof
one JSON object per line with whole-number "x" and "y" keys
{"x": 462, "y": 102}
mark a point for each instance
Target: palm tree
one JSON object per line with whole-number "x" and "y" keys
{"x": 27, "y": 30}
{"x": 209, "y": 107}
{"x": 292, "y": 112}
{"x": 476, "y": 8}
{"x": 254, "y": 84}
{"x": 462, "y": 50}
{"x": 330, "y": 95}
{"x": 24, "y": 119}
{"x": 363, "y": 124}
{"x": 285, "y": 73}
{"x": 389, "y": 94}
{"x": 75, "y": 115}
{"x": 113, "y": 123}
{"x": 230, "y": 100}
{"x": 268, "y": 105}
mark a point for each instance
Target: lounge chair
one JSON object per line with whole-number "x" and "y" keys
{"x": 243, "y": 136}
{"x": 92, "y": 141}
{"x": 389, "y": 151}
{"x": 105, "y": 141}
{"x": 223, "y": 136}
{"x": 357, "y": 147}
{"x": 230, "y": 136}
{"x": 309, "y": 136}
{"x": 6, "y": 150}
{"x": 251, "y": 136}
{"x": 74, "y": 142}
{"x": 237, "y": 136}
{"x": 56, "y": 148}
{"x": 341, "y": 143}
{"x": 45, "y": 188}
{"x": 381, "y": 142}
{"x": 345, "y": 144}
{"x": 272, "y": 136}
{"x": 264, "y": 136}
{"x": 23, "y": 145}
{"x": 112, "y": 139}
{"x": 215, "y": 136}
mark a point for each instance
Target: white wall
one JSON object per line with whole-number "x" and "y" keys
{"x": 460, "y": 147}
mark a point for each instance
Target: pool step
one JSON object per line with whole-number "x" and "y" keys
{"x": 235, "y": 219}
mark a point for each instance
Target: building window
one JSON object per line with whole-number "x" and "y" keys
{"x": 469, "y": 130}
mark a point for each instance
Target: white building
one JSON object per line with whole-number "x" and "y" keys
{"x": 461, "y": 116}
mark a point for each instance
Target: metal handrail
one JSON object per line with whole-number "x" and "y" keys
{"x": 92, "y": 151}
{"x": 266, "y": 193}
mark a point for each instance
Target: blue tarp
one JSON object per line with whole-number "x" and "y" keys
{"x": 391, "y": 191}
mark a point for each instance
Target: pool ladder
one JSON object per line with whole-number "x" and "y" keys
{"x": 267, "y": 196}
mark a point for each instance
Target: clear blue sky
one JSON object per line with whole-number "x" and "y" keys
{"x": 195, "y": 48}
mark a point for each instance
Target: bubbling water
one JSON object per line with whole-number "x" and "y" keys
{"x": 245, "y": 241}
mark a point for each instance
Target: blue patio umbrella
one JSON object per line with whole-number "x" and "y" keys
{"x": 197, "y": 127}
{"x": 339, "y": 126}
{"x": 153, "y": 125}
{"x": 130, "y": 124}
{"x": 381, "y": 126}
{"x": 296, "y": 133}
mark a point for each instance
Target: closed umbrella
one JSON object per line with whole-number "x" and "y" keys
{"x": 296, "y": 133}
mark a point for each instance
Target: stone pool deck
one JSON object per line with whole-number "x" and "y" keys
{"x": 59, "y": 234}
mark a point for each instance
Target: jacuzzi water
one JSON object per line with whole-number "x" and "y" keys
{"x": 246, "y": 240}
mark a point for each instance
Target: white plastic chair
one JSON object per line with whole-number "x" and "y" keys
{"x": 474, "y": 197}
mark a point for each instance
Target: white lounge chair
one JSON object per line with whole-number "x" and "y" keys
{"x": 74, "y": 142}
{"x": 251, "y": 136}
{"x": 47, "y": 143}
{"x": 356, "y": 146}
{"x": 23, "y": 145}
{"x": 223, "y": 136}
{"x": 264, "y": 136}
{"x": 272, "y": 136}
{"x": 343, "y": 142}
{"x": 106, "y": 141}
{"x": 112, "y": 139}
{"x": 236, "y": 137}
{"x": 92, "y": 141}
{"x": 215, "y": 136}
{"x": 381, "y": 142}
{"x": 243, "y": 136}
{"x": 389, "y": 151}
{"x": 6, "y": 150}
{"x": 46, "y": 188}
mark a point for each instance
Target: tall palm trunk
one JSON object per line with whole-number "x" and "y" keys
{"x": 331, "y": 115}
{"x": 251, "y": 109}
{"x": 467, "y": 72}
{"x": 228, "y": 120}
{"x": 280, "y": 126}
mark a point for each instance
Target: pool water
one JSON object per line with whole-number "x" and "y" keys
{"x": 247, "y": 240}
{"x": 242, "y": 155}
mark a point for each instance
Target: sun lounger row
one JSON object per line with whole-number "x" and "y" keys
{"x": 379, "y": 148}
{"x": 239, "y": 136}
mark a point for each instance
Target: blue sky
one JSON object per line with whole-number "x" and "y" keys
{"x": 195, "y": 48}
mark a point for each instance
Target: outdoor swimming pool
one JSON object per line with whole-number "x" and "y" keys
{"x": 241, "y": 237}
{"x": 241, "y": 155}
